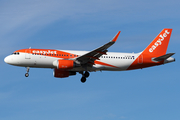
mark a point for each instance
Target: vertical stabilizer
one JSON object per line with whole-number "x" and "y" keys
{"x": 158, "y": 46}
{"x": 155, "y": 50}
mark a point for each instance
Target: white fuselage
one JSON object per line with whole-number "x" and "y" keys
{"x": 112, "y": 61}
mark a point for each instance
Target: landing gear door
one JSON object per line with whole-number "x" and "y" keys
{"x": 28, "y": 54}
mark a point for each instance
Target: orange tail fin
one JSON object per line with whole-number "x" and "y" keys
{"x": 158, "y": 46}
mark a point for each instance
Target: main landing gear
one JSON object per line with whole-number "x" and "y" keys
{"x": 27, "y": 74}
{"x": 84, "y": 76}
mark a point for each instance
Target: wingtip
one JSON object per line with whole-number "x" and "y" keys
{"x": 116, "y": 37}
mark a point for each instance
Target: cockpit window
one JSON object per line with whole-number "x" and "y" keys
{"x": 15, "y": 53}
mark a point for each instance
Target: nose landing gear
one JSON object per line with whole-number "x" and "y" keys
{"x": 84, "y": 76}
{"x": 27, "y": 74}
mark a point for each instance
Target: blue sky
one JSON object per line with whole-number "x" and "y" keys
{"x": 147, "y": 94}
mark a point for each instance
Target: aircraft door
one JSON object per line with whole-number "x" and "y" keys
{"x": 28, "y": 54}
{"x": 140, "y": 59}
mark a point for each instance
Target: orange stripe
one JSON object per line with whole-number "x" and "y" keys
{"x": 105, "y": 64}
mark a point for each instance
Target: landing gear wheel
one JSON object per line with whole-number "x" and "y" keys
{"x": 86, "y": 74}
{"x": 26, "y": 75}
{"x": 83, "y": 79}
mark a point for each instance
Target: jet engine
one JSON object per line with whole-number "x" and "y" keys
{"x": 64, "y": 64}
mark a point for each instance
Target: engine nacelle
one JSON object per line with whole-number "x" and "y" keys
{"x": 62, "y": 74}
{"x": 64, "y": 64}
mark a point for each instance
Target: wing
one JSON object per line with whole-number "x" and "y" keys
{"x": 89, "y": 58}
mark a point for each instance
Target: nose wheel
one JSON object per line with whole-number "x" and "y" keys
{"x": 84, "y": 76}
{"x": 27, "y": 74}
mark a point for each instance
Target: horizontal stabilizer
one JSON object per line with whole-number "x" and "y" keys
{"x": 164, "y": 57}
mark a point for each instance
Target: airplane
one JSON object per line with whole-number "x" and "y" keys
{"x": 69, "y": 62}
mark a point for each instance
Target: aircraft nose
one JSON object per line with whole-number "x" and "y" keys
{"x": 7, "y": 59}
